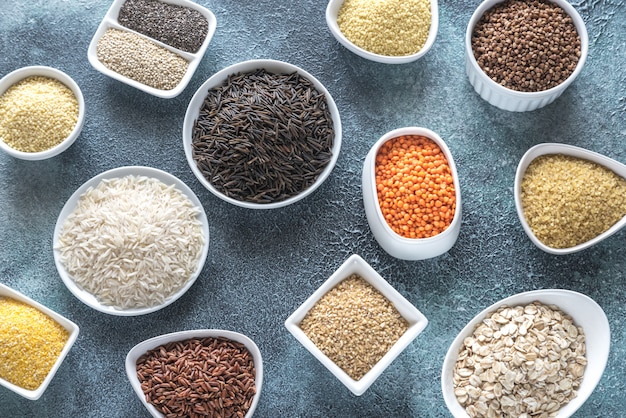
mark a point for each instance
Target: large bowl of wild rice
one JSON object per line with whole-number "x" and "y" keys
{"x": 262, "y": 134}
{"x": 131, "y": 241}
{"x": 522, "y": 55}
{"x": 569, "y": 198}
{"x": 215, "y": 373}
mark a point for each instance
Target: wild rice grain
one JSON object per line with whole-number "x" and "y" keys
{"x": 262, "y": 137}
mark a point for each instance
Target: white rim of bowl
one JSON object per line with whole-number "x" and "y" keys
{"x": 20, "y": 74}
{"x": 332, "y": 10}
{"x": 571, "y": 150}
{"x": 594, "y": 376}
{"x": 141, "y": 348}
{"x": 88, "y": 298}
{"x": 273, "y": 66}
{"x": 452, "y": 228}
{"x": 584, "y": 49}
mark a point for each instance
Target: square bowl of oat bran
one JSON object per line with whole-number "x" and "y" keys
{"x": 356, "y": 324}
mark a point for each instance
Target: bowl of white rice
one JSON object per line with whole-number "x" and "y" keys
{"x": 131, "y": 241}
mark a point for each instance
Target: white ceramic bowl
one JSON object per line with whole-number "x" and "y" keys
{"x": 110, "y": 21}
{"x": 88, "y": 298}
{"x": 553, "y": 148}
{"x": 71, "y": 328}
{"x": 143, "y": 347}
{"x": 274, "y": 67}
{"x": 332, "y": 10}
{"x": 394, "y": 244}
{"x": 14, "y": 77}
{"x": 356, "y": 265}
{"x": 511, "y": 100}
{"x": 584, "y": 311}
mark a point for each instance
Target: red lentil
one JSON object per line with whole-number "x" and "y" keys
{"x": 30, "y": 343}
{"x": 415, "y": 186}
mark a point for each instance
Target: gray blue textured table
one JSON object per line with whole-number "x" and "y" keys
{"x": 263, "y": 264}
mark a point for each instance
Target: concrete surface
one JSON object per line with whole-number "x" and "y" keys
{"x": 263, "y": 264}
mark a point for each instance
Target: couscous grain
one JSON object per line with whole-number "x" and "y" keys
{"x": 386, "y": 27}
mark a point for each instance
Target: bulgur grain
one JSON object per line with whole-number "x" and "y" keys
{"x": 354, "y": 325}
{"x": 386, "y": 27}
{"x": 37, "y": 113}
{"x": 140, "y": 59}
{"x": 30, "y": 343}
{"x": 568, "y": 201}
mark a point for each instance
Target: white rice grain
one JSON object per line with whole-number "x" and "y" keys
{"x": 132, "y": 242}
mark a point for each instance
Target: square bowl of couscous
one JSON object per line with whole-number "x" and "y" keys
{"x": 34, "y": 341}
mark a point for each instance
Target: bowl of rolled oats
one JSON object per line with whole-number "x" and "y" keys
{"x": 537, "y": 353}
{"x": 522, "y": 55}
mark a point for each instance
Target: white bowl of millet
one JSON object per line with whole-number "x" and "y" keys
{"x": 356, "y": 324}
{"x": 131, "y": 240}
{"x": 542, "y": 350}
{"x": 227, "y": 360}
{"x": 368, "y": 30}
{"x": 569, "y": 198}
{"x": 530, "y": 78}
{"x": 42, "y": 111}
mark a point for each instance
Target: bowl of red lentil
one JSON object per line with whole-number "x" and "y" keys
{"x": 390, "y": 32}
{"x": 204, "y": 372}
{"x": 44, "y": 339}
{"x": 411, "y": 194}
{"x": 521, "y": 55}
{"x": 535, "y": 353}
{"x": 356, "y": 324}
{"x": 569, "y": 198}
{"x": 42, "y": 112}
{"x": 152, "y": 45}
{"x": 262, "y": 134}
